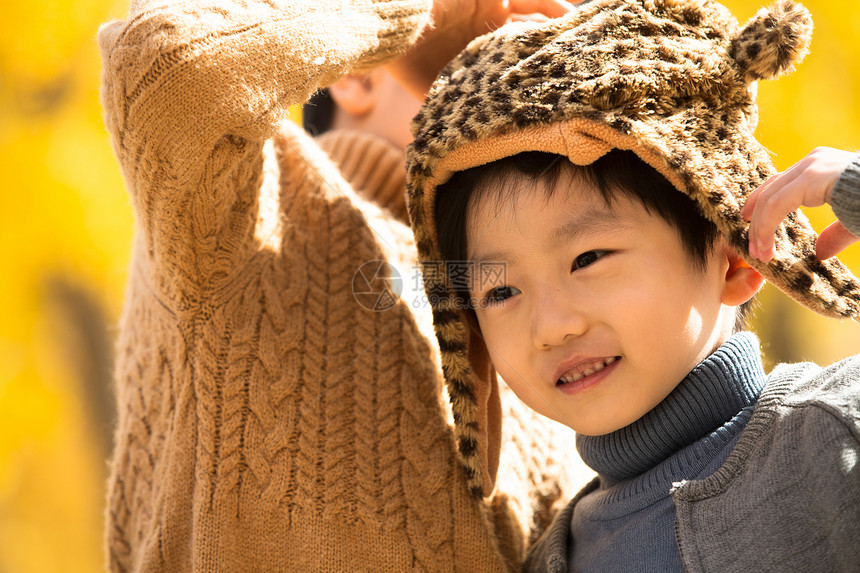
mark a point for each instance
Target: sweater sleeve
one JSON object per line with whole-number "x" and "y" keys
{"x": 845, "y": 197}
{"x": 191, "y": 90}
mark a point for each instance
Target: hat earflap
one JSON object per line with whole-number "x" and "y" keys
{"x": 773, "y": 41}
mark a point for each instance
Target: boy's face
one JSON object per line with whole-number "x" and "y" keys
{"x": 600, "y": 312}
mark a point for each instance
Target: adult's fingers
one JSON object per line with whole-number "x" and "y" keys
{"x": 549, "y": 8}
{"x": 771, "y": 185}
{"x": 833, "y": 240}
{"x": 751, "y": 200}
{"x": 771, "y": 208}
{"x": 528, "y": 18}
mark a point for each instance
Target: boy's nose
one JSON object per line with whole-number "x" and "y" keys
{"x": 555, "y": 319}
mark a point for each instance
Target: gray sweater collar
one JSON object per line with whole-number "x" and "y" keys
{"x": 714, "y": 392}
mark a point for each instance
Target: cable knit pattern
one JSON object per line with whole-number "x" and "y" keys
{"x": 267, "y": 421}
{"x": 372, "y": 165}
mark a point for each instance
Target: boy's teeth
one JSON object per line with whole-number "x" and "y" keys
{"x": 587, "y": 371}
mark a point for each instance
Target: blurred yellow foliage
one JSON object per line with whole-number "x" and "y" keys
{"x": 64, "y": 220}
{"x": 66, "y": 227}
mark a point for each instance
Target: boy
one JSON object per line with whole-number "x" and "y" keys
{"x": 602, "y": 162}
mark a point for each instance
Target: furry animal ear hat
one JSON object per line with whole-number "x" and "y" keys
{"x": 671, "y": 80}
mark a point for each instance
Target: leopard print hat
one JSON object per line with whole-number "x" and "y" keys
{"x": 671, "y": 80}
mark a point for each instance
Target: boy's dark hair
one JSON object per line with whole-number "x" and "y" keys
{"x": 318, "y": 113}
{"x": 618, "y": 171}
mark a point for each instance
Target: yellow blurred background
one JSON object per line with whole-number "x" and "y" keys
{"x": 65, "y": 235}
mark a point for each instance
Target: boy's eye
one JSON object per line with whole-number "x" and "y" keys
{"x": 500, "y": 294}
{"x": 586, "y": 259}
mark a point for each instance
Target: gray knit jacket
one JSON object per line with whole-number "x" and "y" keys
{"x": 788, "y": 496}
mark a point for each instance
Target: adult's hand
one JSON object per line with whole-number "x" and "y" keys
{"x": 806, "y": 183}
{"x": 455, "y": 24}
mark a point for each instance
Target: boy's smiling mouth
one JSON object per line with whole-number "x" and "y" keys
{"x": 584, "y": 369}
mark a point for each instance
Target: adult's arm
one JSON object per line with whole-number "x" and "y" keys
{"x": 191, "y": 91}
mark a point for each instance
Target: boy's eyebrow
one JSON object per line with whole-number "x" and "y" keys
{"x": 591, "y": 221}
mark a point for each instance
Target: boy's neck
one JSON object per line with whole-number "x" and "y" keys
{"x": 722, "y": 385}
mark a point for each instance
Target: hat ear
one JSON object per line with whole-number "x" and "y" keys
{"x": 773, "y": 41}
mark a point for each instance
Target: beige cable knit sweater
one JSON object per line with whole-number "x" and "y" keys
{"x": 268, "y": 422}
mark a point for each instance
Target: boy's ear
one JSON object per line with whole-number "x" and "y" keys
{"x": 741, "y": 280}
{"x": 354, "y": 94}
